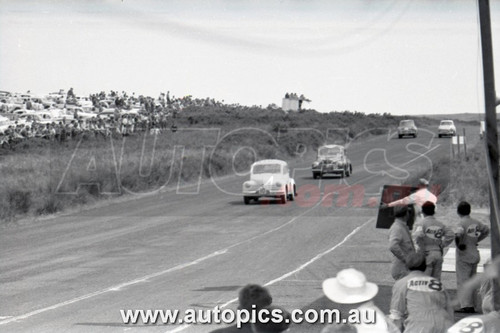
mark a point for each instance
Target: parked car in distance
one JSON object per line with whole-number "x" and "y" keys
{"x": 269, "y": 178}
{"x": 331, "y": 159}
{"x": 447, "y": 128}
{"x": 407, "y": 128}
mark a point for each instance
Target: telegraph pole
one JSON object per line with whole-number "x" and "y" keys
{"x": 490, "y": 101}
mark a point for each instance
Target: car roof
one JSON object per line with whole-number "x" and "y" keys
{"x": 270, "y": 161}
{"x": 331, "y": 146}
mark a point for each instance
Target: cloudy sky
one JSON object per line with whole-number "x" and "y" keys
{"x": 372, "y": 56}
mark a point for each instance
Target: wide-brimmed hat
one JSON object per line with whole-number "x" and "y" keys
{"x": 349, "y": 287}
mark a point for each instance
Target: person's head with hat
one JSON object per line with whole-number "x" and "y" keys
{"x": 349, "y": 287}
{"x": 272, "y": 319}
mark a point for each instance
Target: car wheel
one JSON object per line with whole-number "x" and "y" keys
{"x": 246, "y": 200}
{"x": 400, "y": 136}
{"x": 415, "y": 136}
{"x": 283, "y": 198}
{"x": 291, "y": 196}
{"x": 315, "y": 175}
{"x": 342, "y": 175}
{"x": 440, "y": 136}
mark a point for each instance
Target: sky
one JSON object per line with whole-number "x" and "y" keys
{"x": 370, "y": 56}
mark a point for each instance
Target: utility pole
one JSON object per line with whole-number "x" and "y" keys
{"x": 490, "y": 101}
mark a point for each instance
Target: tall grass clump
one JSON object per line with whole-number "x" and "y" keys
{"x": 459, "y": 178}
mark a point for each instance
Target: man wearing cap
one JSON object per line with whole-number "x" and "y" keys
{"x": 400, "y": 243}
{"x": 350, "y": 287}
{"x": 419, "y": 302}
{"x": 431, "y": 236}
{"x": 469, "y": 233}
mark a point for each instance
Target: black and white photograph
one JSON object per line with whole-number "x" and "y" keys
{"x": 252, "y": 166}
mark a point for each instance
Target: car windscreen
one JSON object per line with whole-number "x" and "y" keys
{"x": 330, "y": 151}
{"x": 406, "y": 123}
{"x": 446, "y": 123}
{"x": 266, "y": 168}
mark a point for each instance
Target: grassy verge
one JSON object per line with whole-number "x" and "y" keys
{"x": 462, "y": 178}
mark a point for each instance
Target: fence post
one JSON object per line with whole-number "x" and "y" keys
{"x": 465, "y": 145}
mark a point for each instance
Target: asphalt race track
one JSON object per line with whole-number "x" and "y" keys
{"x": 195, "y": 248}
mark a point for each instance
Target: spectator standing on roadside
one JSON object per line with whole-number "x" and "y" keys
{"x": 400, "y": 243}
{"x": 350, "y": 287}
{"x": 252, "y": 297}
{"x": 469, "y": 233}
{"x": 431, "y": 236}
{"x": 419, "y": 302}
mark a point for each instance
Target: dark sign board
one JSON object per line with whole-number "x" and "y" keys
{"x": 392, "y": 193}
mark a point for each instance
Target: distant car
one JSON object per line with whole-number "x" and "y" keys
{"x": 407, "y": 128}
{"x": 447, "y": 128}
{"x": 269, "y": 178}
{"x": 108, "y": 113}
{"x": 331, "y": 159}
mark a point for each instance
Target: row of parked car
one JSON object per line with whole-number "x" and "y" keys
{"x": 408, "y": 128}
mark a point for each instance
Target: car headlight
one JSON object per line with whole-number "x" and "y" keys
{"x": 249, "y": 184}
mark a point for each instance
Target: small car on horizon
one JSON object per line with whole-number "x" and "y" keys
{"x": 446, "y": 128}
{"x": 269, "y": 178}
{"x": 407, "y": 127}
{"x": 331, "y": 159}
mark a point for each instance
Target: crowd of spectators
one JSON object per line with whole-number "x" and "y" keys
{"x": 104, "y": 115}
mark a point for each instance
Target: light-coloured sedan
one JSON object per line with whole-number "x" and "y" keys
{"x": 447, "y": 128}
{"x": 269, "y": 178}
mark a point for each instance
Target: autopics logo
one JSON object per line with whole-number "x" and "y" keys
{"x": 153, "y": 161}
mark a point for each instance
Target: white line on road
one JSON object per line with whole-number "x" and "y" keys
{"x": 113, "y": 288}
{"x": 284, "y": 276}
{"x": 319, "y": 256}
